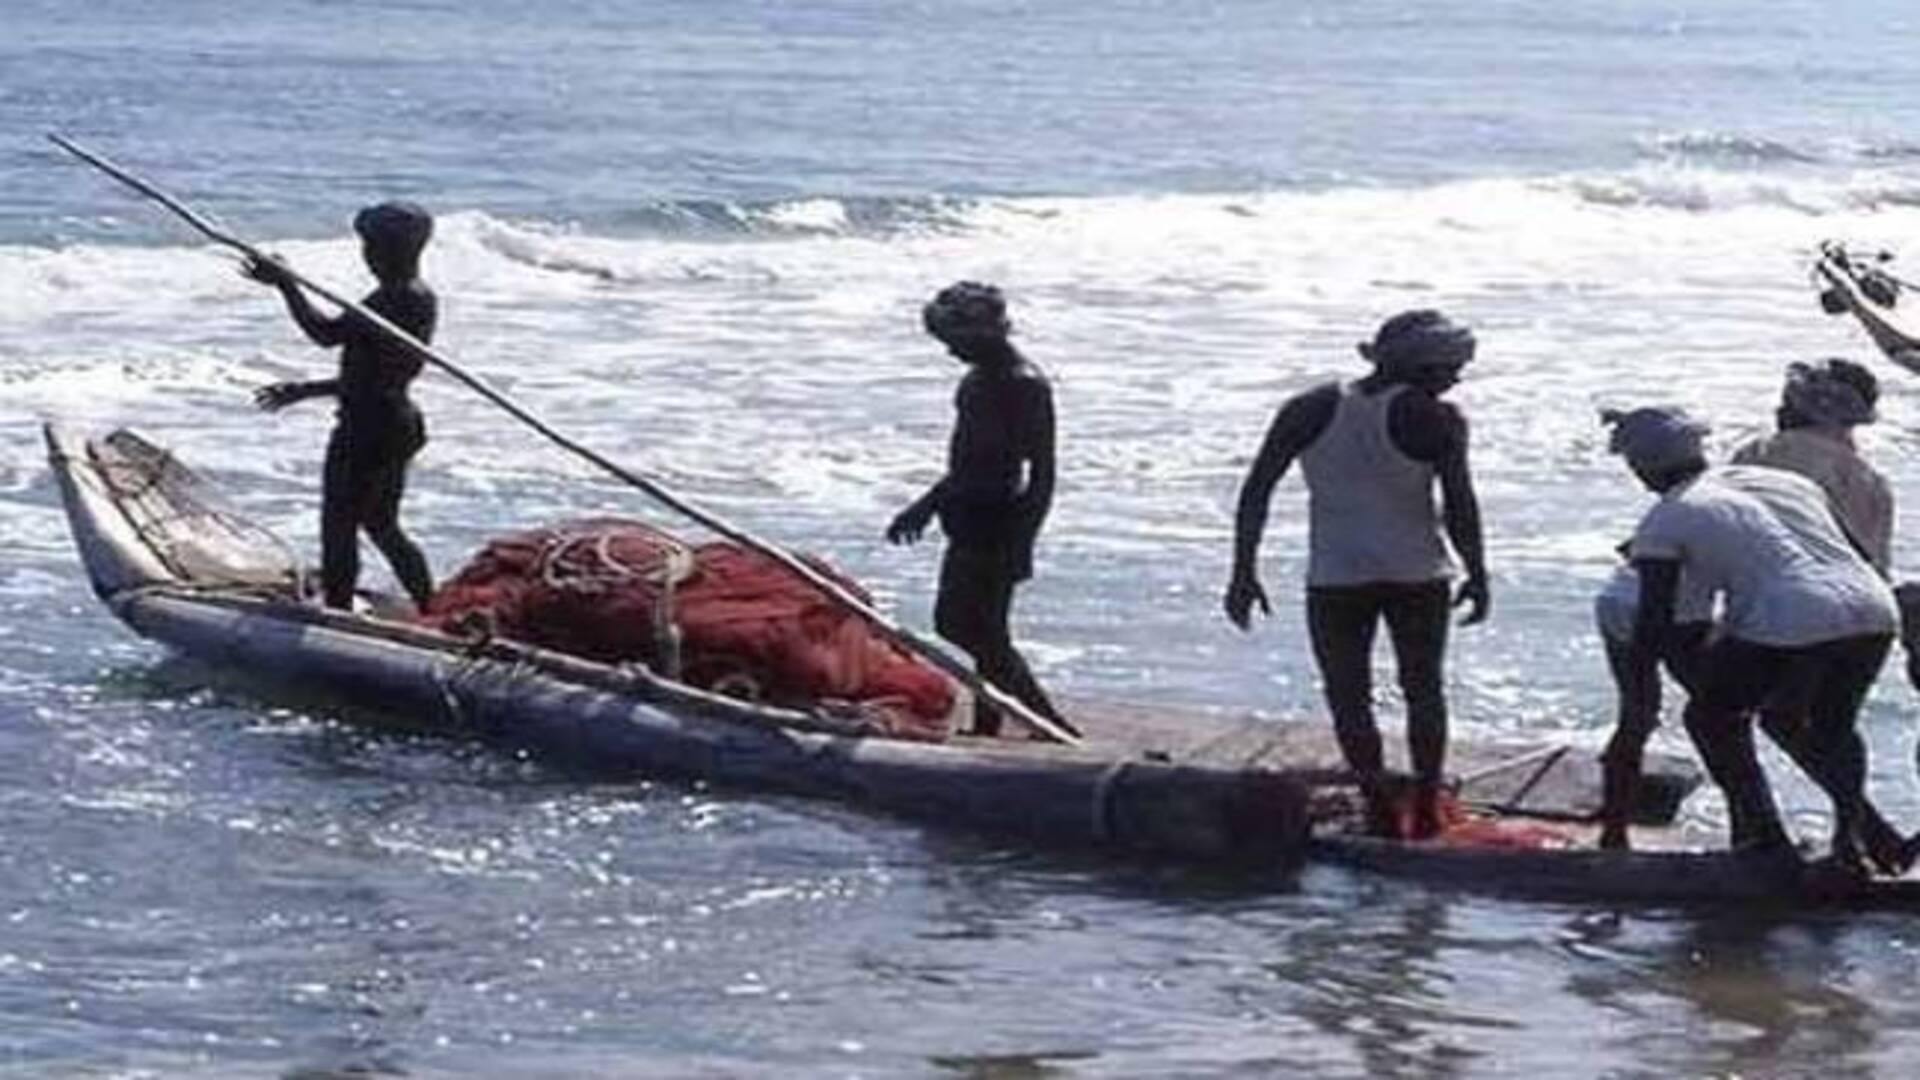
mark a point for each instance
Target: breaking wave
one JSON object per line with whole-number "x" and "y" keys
{"x": 1738, "y": 150}
{"x": 800, "y": 217}
{"x": 1727, "y": 148}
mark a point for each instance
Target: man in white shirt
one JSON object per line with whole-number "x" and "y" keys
{"x": 1820, "y": 405}
{"x": 1805, "y": 615}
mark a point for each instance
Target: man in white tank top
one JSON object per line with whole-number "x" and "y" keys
{"x": 1372, "y": 451}
{"x": 1805, "y": 614}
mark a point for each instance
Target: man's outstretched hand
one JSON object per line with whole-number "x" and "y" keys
{"x": 910, "y": 523}
{"x": 277, "y": 396}
{"x": 1473, "y": 593}
{"x": 1242, "y": 594}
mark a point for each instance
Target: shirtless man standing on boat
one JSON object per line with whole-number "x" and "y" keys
{"x": 1371, "y": 451}
{"x": 378, "y": 429}
{"x": 995, "y": 495}
{"x": 1808, "y": 622}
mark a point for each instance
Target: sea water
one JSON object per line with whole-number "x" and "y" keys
{"x": 696, "y": 237}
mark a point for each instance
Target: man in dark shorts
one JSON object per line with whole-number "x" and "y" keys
{"x": 1371, "y": 451}
{"x": 1808, "y": 622}
{"x": 378, "y": 429}
{"x": 995, "y": 495}
{"x": 1820, "y": 405}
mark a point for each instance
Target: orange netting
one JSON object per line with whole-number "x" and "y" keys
{"x": 1461, "y": 827}
{"x": 615, "y": 590}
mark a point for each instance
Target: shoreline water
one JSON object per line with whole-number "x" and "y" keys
{"x": 693, "y": 229}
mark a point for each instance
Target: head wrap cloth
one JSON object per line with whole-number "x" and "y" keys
{"x": 1823, "y": 396}
{"x": 1419, "y": 339}
{"x": 966, "y": 309}
{"x": 403, "y": 225}
{"x": 1656, "y": 437}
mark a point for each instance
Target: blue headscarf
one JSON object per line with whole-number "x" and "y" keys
{"x": 1656, "y": 437}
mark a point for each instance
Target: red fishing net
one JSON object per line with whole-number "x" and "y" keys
{"x": 736, "y": 621}
{"x": 1461, "y": 827}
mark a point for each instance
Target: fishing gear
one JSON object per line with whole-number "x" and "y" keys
{"x": 1869, "y": 273}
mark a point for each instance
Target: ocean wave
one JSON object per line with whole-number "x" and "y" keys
{"x": 571, "y": 249}
{"x": 87, "y": 288}
{"x": 1900, "y": 150}
{"x": 1709, "y": 190}
{"x": 808, "y": 216}
{"x": 1727, "y": 148}
{"x": 1737, "y": 150}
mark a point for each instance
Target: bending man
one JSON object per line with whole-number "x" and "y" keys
{"x": 1806, "y": 619}
{"x": 1820, "y": 406}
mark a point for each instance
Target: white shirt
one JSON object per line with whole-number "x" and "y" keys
{"x": 1765, "y": 541}
{"x": 1617, "y": 606}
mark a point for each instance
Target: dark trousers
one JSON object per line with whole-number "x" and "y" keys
{"x": 1639, "y": 713}
{"x": 1342, "y": 621}
{"x": 972, "y": 611}
{"x": 365, "y": 476}
{"x": 1814, "y": 693}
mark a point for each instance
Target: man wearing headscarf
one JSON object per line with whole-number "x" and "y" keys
{"x": 1804, "y": 613}
{"x": 1666, "y": 440}
{"x": 1820, "y": 405}
{"x": 1372, "y": 451}
{"x": 377, "y": 430}
{"x": 995, "y": 495}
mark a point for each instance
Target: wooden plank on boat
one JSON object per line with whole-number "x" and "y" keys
{"x": 1554, "y": 780}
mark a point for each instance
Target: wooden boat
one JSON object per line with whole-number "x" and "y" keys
{"x": 1658, "y": 875}
{"x": 1164, "y": 784}
{"x": 173, "y": 565}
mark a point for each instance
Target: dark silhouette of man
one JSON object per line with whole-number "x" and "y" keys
{"x": 995, "y": 495}
{"x": 378, "y": 429}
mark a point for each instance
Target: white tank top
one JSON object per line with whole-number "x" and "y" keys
{"x": 1370, "y": 508}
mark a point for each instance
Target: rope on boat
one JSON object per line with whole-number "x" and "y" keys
{"x": 1101, "y": 817}
{"x": 1058, "y": 731}
{"x": 677, "y": 564}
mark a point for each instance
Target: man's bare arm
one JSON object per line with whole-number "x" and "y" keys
{"x": 1653, "y": 622}
{"x": 1460, "y": 516}
{"x": 1298, "y": 423}
{"x": 1038, "y": 437}
{"x": 323, "y": 330}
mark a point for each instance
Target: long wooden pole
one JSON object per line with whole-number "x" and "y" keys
{"x": 899, "y": 635}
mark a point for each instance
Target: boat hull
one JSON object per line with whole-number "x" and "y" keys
{"x": 1588, "y": 876}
